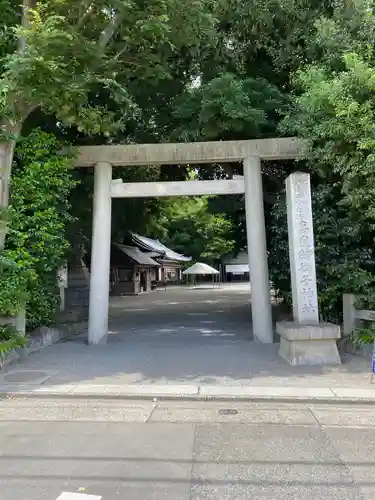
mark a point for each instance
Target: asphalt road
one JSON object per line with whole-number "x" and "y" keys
{"x": 104, "y": 450}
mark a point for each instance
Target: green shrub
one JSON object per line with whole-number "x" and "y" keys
{"x": 36, "y": 241}
{"x": 44, "y": 301}
{"x": 11, "y": 339}
{"x": 13, "y": 292}
{"x": 363, "y": 336}
{"x": 343, "y": 252}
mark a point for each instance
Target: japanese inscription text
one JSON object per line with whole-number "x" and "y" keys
{"x": 302, "y": 249}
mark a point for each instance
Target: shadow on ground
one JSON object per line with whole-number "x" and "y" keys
{"x": 185, "y": 336}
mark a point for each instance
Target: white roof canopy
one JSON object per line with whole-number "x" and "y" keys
{"x": 200, "y": 268}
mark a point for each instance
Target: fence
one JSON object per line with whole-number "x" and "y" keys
{"x": 353, "y": 317}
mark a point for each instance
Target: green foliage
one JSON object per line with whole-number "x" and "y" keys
{"x": 267, "y": 37}
{"x": 36, "y": 242}
{"x": 134, "y": 214}
{"x": 187, "y": 226}
{"x": 363, "y": 336}
{"x": 335, "y": 106}
{"x": 13, "y": 287}
{"x": 44, "y": 301}
{"x": 71, "y": 52}
{"x": 162, "y": 70}
{"x": 7, "y": 332}
{"x": 9, "y": 18}
{"x": 229, "y": 105}
{"x": 124, "y": 70}
{"x": 344, "y": 256}
{"x": 333, "y": 110}
{"x": 10, "y": 339}
{"x": 365, "y": 333}
{"x": 99, "y": 71}
{"x": 13, "y": 276}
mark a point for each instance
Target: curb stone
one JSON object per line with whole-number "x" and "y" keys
{"x": 337, "y": 396}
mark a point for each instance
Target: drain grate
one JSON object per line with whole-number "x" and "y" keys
{"x": 228, "y": 411}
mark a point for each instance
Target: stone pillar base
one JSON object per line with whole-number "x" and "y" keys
{"x": 309, "y": 344}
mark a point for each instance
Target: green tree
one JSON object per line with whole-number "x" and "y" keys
{"x": 243, "y": 86}
{"x": 188, "y": 226}
{"x": 335, "y": 113}
{"x": 344, "y": 253}
{"x": 229, "y": 106}
{"x": 333, "y": 109}
{"x": 63, "y": 56}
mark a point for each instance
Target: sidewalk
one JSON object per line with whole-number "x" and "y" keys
{"x": 185, "y": 451}
{"x": 146, "y": 369}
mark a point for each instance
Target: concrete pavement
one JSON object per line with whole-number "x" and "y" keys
{"x": 183, "y": 343}
{"x": 184, "y": 451}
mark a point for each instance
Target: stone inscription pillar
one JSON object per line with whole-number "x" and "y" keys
{"x": 304, "y": 341}
{"x": 100, "y": 254}
{"x": 257, "y": 251}
{"x": 301, "y": 249}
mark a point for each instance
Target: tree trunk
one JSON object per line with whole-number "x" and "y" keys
{"x": 6, "y": 159}
{"x": 14, "y": 128}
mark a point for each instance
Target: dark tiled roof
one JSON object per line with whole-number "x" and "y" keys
{"x": 135, "y": 254}
{"x": 156, "y": 246}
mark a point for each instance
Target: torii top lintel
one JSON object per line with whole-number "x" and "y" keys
{"x": 193, "y": 152}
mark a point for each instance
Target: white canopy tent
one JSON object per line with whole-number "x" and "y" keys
{"x": 201, "y": 269}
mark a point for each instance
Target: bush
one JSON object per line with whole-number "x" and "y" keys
{"x": 40, "y": 213}
{"x": 10, "y": 339}
{"x": 44, "y": 301}
{"x": 344, "y": 257}
{"x": 13, "y": 291}
{"x": 363, "y": 336}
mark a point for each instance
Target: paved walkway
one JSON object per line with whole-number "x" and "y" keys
{"x": 192, "y": 342}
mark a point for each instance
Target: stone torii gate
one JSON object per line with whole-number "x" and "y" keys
{"x": 251, "y": 153}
